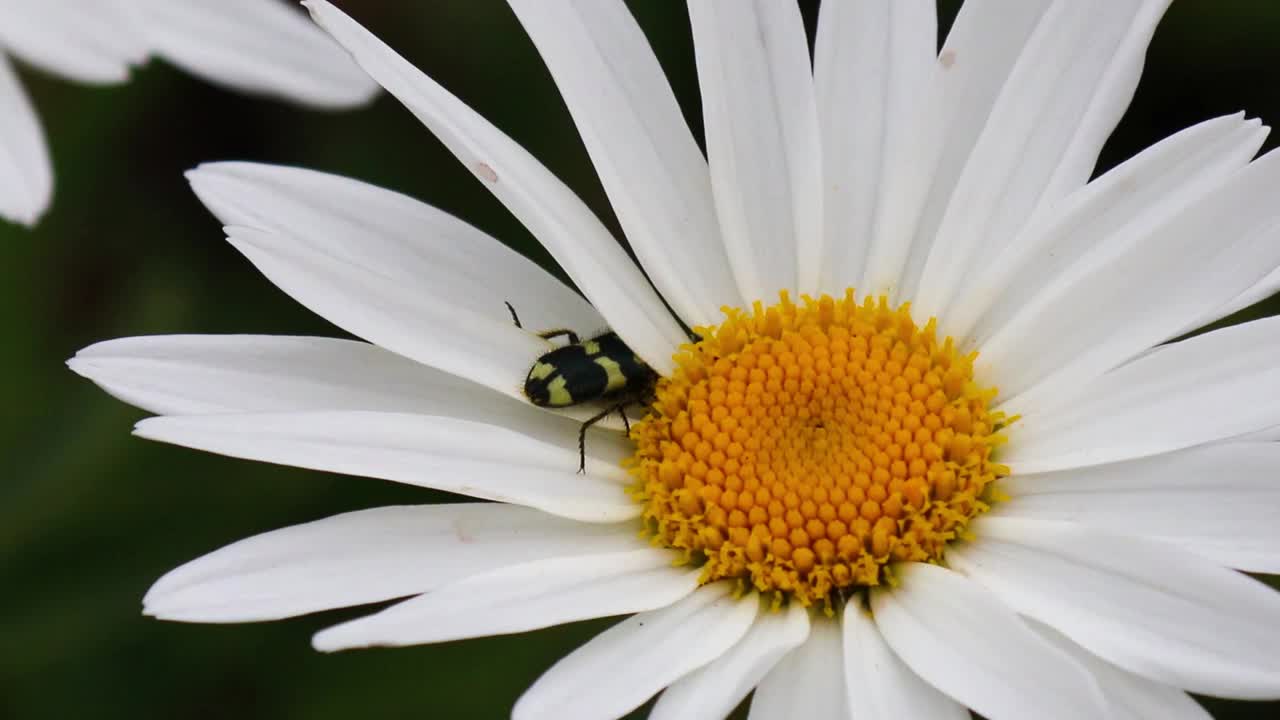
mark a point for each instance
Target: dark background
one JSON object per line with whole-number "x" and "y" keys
{"x": 90, "y": 516}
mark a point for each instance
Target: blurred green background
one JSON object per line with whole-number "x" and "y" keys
{"x": 90, "y": 516}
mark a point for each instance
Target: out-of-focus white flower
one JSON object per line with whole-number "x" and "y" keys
{"x": 260, "y": 46}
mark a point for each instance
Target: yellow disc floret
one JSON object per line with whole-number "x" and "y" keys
{"x": 803, "y": 447}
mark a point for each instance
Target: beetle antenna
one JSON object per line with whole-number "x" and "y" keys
{"x": 514, "y": 318}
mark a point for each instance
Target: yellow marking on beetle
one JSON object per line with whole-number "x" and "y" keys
{"x": 617, "y": 380}
{"x": 591, "y": 347}
{"x": 541, "y": 371}
{"x": 557, "y": 394}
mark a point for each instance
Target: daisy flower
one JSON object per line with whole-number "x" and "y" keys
{"x": 930, "y": 445}
{"x": 259, "y": 46}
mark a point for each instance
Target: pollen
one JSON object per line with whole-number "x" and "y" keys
{"x": 804, "y": 448}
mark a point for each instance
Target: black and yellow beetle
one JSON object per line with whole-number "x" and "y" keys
{"x": 581, "y": 371}
{"x": 600, "y": 368}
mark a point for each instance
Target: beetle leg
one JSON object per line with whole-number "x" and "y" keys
{"x": 561, "y": 332}
{"x": 582, "y": 437}
{"x": 586, "y": 425}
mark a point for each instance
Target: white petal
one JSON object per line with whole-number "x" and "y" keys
{"x": 400, "y": 315}
{"x": 962, "y": 640}
{"x": 560, "y": 221}
{"x": 1129, "y": 696}
{"x": 873, "y": 65}
{"x": 627, "y": 664}
{"x": 1155, "y": 183}
{"x": 483, "y": 461}
{"x": 879, "y": 685}
{"x": 1213, "y": 386}
{"x": 982, "y": 47}
{"x": 715, "y": 689}
{"x": 1219, "y": 501}
{"x": 1164, "y": 614}
{"x": 26, "y": 174}
{"x": 1138, "y": 290}
{"x": 369, "y": 556}
{"x": 1259, "y": 291}
{"x": 1270, "y": 434}
{"x": 93, "y": 42}
{"x": 210, "y": 374}
{"x": 1063, "y": 97}
{"x": 761, "y": 124}
{"x": 807, "y": 684}
{"x": 395, "y": 235}
{"x": 261, "y": 46}
{"x": 651, "y": 168}
{"x": 426, "y": 269}
{"x": 524, "y": 597}
{"x": 207, "y": 374}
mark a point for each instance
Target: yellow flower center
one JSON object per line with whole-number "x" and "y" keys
{"x": 801, "y": 448}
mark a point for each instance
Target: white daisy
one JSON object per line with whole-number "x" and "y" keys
{"x": 850, "y": 537}
{"x": 260, "y": 46}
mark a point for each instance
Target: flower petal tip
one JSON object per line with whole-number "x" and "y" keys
{"x": 318, "y": 9}
{"x": 155, "y": 605}
{"x": 78, "y": 365}
{"x": 145, "y": 429}
{"x": 335, "y": 639}
{"x": 29, "y": 213}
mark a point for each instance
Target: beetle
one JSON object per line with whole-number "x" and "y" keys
{"x": 581, "y": 371}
